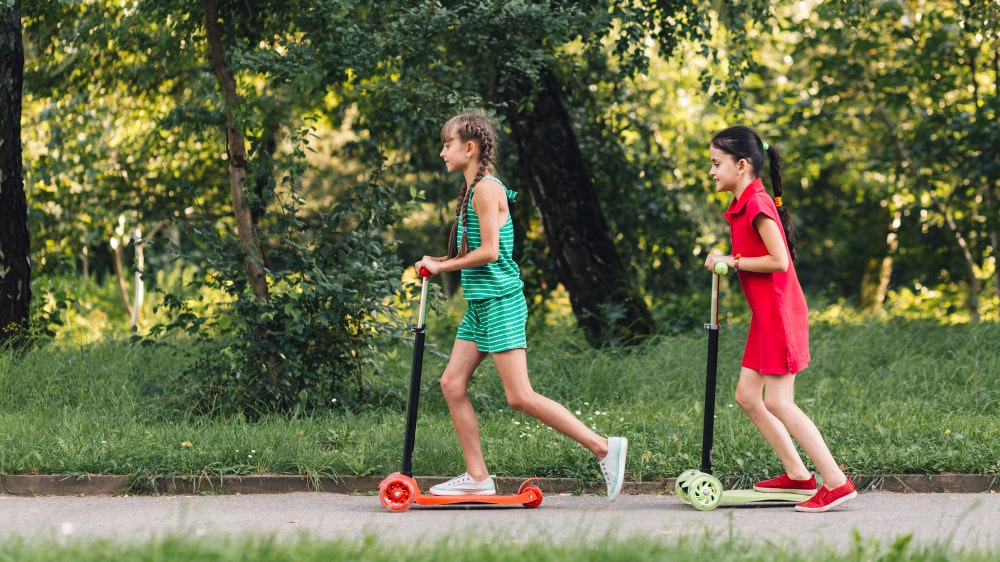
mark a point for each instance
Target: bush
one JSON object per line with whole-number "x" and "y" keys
{"x": 305, "y": 349}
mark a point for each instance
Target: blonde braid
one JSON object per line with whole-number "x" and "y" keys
{"x": 462, "y": 201}
{"x": 479, "y": 129}
{"x": 480, "y": 174}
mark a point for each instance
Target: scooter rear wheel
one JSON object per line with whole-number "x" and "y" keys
{"x": 538, "y": 497}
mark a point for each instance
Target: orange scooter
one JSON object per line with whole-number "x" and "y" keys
{"x": 399, "y": 490}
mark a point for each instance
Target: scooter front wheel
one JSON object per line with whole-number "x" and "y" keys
{"x": 397, "y": 494}
{"x": 705, "y": 492}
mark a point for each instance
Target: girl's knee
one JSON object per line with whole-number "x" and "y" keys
{"x": 779, "y": 408}
{"x": 453, "y": 387}
{"x": 523, "y": 403}
{"x": 748, "y": 401}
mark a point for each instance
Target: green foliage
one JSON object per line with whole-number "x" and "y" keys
{"x": 310, "y": 345}
{"x": 890, "y": 137}
{"x": 631, "y": 139}
{"x": 126, "y": 129}
{"x": 118, "y": 107}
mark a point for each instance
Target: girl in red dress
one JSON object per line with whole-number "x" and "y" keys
{"x": 778, "y": 343}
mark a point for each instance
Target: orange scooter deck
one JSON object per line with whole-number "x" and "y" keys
{"x": 398, "y": 492}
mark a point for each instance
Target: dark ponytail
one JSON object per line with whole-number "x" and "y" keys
{"x": 744, "y": 144}
{"x": 791, "y": 234}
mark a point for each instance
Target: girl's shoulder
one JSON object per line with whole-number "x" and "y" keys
{"x": 761, "y": 203}
{"x": 488, "y": 185}
{"x": 493, "y": 184}
{"x": 487, "y": 180}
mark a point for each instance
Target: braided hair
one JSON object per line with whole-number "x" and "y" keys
{"x": 743, "y": 143}
{"x": 479, "y": 129}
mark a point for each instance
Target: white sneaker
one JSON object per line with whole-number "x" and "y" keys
{"x": 464, "y": 485}
{"x": 613, "y": 465}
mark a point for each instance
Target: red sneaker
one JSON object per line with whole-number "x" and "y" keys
{"x": 785, "y": 485}
{"x": 827, "y": 499}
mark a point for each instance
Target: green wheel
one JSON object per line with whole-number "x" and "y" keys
{"x": 682, "y": 483}
{"x": 705, "y": 492}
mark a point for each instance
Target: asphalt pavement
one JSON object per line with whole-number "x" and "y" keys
{"x": 964, "y": 521}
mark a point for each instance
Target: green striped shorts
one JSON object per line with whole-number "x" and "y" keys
{"x": 496, "y": 324}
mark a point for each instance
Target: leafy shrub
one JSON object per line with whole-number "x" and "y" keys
{"x": 306, "y": 348}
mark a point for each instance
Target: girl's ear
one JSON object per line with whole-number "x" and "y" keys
{"x": 470, "y": 148}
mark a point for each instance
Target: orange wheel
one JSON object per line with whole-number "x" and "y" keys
{"x": 397, "y": 494}
{"x": 535, "y": 493}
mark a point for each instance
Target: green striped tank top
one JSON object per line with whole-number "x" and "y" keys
{"x": 496, "y": 279}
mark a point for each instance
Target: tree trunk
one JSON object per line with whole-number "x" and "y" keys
{"x": 237, "y": 151}
{"x": 15, "y": 260}
{"x": 874, "y": 300}
{"x": 995, "y": 238}
{"x": 605, "y": 301}
{"x": 970, "y": 260}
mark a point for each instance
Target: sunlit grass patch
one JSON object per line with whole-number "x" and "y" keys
{"x": 889, "y": 397}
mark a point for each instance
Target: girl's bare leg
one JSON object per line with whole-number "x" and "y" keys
{"x": 750, "y": 397}
{"x": 779, "y": 399}
{"x": 513, "y": 368}
{"x": 465, "y": 357}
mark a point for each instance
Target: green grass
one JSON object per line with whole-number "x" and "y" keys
{"x": 890, "y": 397}
{"x": 306, "y": 549}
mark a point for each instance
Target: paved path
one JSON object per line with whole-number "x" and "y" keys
{"x": 968, "y": 521}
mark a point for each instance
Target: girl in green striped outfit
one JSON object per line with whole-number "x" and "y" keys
{"x": 481, "y": 247}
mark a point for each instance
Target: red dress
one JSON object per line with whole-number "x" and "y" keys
{"x": 778, "y": 342}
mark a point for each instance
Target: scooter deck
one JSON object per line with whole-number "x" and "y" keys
{"x": 521, "y": 498}
{"x": 398, "y": 492}
{"x": 751, "y": 496}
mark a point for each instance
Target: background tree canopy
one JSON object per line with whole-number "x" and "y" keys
{"x": 885, "y": 112}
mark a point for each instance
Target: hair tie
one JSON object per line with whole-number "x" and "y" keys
{"x": 777, "y": 201}
{"x": 765, "y": 146}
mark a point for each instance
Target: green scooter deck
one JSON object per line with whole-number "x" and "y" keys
{"x": 750, "y": 496}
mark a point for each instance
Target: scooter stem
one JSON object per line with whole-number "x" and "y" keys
{"x": 413, "y": 401}
{"x": 707, "y": 435}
